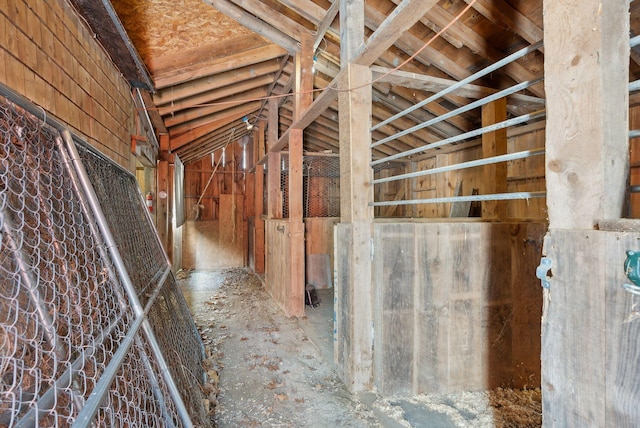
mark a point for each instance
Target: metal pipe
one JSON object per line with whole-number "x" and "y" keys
{"x": 470, "y": 198}
{"x": 634, "y": 41}
{"x": 500, "y": 125}
{"x": 634, "y": 133}
{"x": 48, "y": 400}
{"x": 634, "y": 86}
{"x": 459, "y": 110}
{"x": 110, "y": 243}
{"x": 514, "y": 56}
{"x": 471, "y": 164}
{"x": 88, "y": 412}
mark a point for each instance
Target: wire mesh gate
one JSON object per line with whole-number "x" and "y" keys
{"x": 93, "y": 328}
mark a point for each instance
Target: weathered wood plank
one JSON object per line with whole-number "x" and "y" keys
{"x": 255, "y": 24}
{"x": 394, "y": 279}
{"x": 494, "y": 144}
{"x": 587, "y": 148}
{"x": 573, "y": 331}
{"x": 403, "y": 17}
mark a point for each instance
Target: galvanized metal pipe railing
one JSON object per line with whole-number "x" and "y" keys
{"x": 507, "y": 60}
{"x": 91, "y": 406}
{"x": 477, "y": 132}
{"x": 463, "y": 165}
{"x": 469, "y": 198}
{"x": 479, "y": 103}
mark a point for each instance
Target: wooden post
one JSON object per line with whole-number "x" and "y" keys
{"x": 443, "y": 186}
{"x": 354, "y": 291}
{"x": 302, "y": 100}
{"x": 586, "y": 82}
{"x": 494, "y": 143}
{"x": 163, "y": 184}
{"x": 258, "y": 241}
{"x": 586, "y": 74}
{"x": 274, "y": 200}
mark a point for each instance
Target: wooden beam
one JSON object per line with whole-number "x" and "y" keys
{"x": 411, "y": 44}
{"x": 161, "y": 64}
{"x": 484, "y": 49}
{"x": 403, "y": 17}
{"x": 587, "y": 148}
{"x": 207, "y": 84}
{"x": 324, "y": 25}
{"x": 218, "y": 65}
{"x": 354, "y": 335}
{"x": 494, "y": 177}
{"x": 255, "y": 24}
{"x": 274, "y": 18}
{"x": 319, "y": 105}
{"x": 216, "y": 122}
{"x": 198, "y": 115}
{"x": 502, "y": 13}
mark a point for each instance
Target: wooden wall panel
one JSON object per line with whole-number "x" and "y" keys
{"x": 522, "y": 175}
{"x": 232, "y": 229}
{"x": 394, "y": 282}
{"x": 457, "y": 306}
{"x": 50, "y": 57}
{"x": 277, "y": 275}
{"x": 591, "y": 325}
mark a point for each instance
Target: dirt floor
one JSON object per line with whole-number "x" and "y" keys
{"x": 267, "y": 370}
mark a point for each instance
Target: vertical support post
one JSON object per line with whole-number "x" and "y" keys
{"x": 586, "y": 81}
{"x": 163, "y": 184}
{"x": 302, "y": 100}
{"x": 443, "y": 186}
{"x": 354, "y": 291}
{"x": 494, "y": 143}
{"x": 274, "y": 201}
{"x": 258, "y": 239}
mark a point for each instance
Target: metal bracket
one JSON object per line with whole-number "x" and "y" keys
{"x": 542, "y": 270}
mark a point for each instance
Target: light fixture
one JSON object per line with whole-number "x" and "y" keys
{"x": 246, "y": 121}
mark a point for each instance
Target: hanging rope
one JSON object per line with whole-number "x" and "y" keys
{"x": 197, "y": 207}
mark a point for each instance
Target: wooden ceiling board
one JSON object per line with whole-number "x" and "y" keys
{"x": 202, "y": 53}
{"x": 161, "y": 27}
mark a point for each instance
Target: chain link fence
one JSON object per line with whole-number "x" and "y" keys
{"x": 93, "y": 328}
{"x": 321, "y": 184}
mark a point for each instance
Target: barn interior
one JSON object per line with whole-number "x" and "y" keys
{"x": 459, "y": 176}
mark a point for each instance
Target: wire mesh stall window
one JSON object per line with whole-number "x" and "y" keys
{"x": 321, "y": 185}
{"x": 69, "y": 327}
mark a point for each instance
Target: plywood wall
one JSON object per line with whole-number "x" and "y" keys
{"x": 49, "y": 56}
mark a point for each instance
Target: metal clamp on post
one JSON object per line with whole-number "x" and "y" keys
{"x": 543, "y": 270}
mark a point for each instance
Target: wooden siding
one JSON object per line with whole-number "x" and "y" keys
{"x": 49, "y": 56}
{"x": 522, "y": 176}
{"x": 456, "y": 306}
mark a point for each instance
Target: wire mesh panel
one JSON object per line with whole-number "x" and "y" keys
{"x": 64, "y": 310}
{"x": 142, "y": 254}
{"x": 321, "y": 185}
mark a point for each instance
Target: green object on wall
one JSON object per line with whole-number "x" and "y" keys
{"x": 632, "y": 266}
